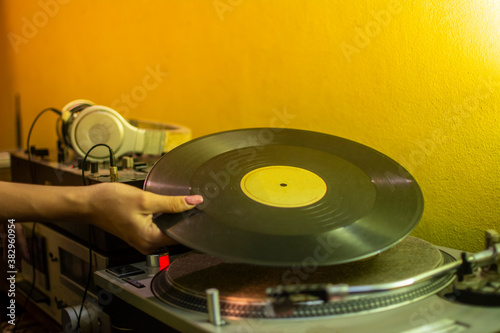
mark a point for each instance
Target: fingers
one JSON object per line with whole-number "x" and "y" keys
{"x": 155, "y": 239}
{"x": 171, "y": 204}
{"x": 194, "y": 200}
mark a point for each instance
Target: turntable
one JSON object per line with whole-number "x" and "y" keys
{"x": 299, "y": 232}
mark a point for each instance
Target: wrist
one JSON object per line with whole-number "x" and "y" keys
{"x": 83, "y": 200}
{"x": 88, "y": 203}
{"x": 75, "y": 204}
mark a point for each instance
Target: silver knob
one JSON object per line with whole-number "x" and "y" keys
{"x": 158, "y": 260}
{"x": 213, "y": 307}
{"x": 93, "y": 318}
{"x": 69, "y": 319}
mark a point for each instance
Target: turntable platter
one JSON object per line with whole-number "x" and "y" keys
{"x": 242, "y": 287}
{"x": 277, "y": 196}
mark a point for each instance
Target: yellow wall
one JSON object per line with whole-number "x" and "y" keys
{"x": 416, "y": 80}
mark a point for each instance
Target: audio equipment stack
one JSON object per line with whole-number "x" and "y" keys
{"x": 61, "y": 263}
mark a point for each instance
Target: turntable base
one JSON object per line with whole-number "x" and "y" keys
{"x": 146, "y": 313}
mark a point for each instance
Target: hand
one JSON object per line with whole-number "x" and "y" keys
{"x": 126, "y": 212}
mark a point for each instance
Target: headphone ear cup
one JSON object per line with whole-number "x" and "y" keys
{"x": 97, "y": 124}
{"x": 68, "y": 114}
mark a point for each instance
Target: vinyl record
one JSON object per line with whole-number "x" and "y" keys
{"x": 275, "y": 196}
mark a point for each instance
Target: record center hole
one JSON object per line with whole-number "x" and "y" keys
{"x": 283, "y": 185}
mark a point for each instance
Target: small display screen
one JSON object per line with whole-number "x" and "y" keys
{"x": 125, "y": 270}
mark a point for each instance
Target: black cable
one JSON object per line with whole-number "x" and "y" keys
{"x": 33, "y": 173}
{"x": 91, "y": 229}
{"x": 89, "y": 278}
{"x": 60, "y": 135}
{"x": 111, "y": 159}
{"x": 32, "y": 247}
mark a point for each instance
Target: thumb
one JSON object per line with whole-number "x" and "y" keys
{"x": 172, "y": 204}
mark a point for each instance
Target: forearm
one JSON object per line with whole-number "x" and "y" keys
{"x": 38, "y": 203}
{"x": 120, "y": 209}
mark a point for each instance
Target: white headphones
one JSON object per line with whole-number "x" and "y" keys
{"x": 85, "y": 124}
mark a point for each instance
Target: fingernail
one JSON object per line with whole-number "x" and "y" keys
{"x": 194, "y": 199}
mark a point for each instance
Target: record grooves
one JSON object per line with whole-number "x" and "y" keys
{"x": 328, "y": 198}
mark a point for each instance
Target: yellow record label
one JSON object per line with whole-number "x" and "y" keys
{"x": 283, "y": 186}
